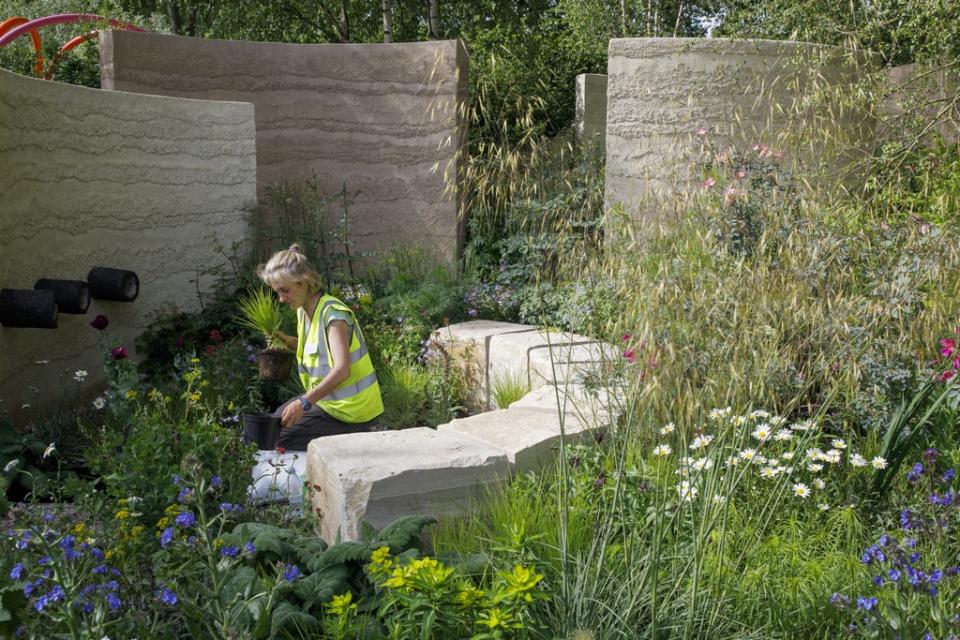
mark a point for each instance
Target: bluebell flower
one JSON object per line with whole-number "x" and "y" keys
{"x": 100, "y": 569}
{"x": 250, "y": 548}
{"x": 291, "y": 573}
{"x": 905, "y": 519}
{"x": 28, "y": 589}
{"x": 230, "y": 551}
{"x": 166, "y": 536}
{"x": 933, "y": 592}
{"x": 215, "y": 482}
{"x": 97, "y": 554}
{"x": 72, "y": 554}
{"x": 112, "y": 585}
{"x": 185, "y": 520}
{"x": 915, "y": 558}
{"x": 914, "y": 577}
{"x": 914, "y": 474}
{"x": 910, "y": 543}
{"x": 44, "y": 560}
{"x": 894, "y": 574}
{"x": 17, "y": 572}
{"x": 935, "y": 576}
{"x": 114, "y": 571}
{"x": 88, "y": 607}
{"x": 867, "y": 604}
{"x": 114, "y": 601}
{"x": 878, "y": 580}
{"x": 884, "y": 540}
{"x": 948, "y": 475}
{"x": 68, "y": 542}
{"x": 168, "y": 597}
{"x": 47, "y": 573}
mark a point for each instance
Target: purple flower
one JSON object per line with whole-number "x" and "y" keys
{"x": 100, "y": 569}
{"x": 472, "y": 313}
{"x": 914, "y": 474}
{"x": 230, "y": 552}
{"x": 184, "y": 495}
{"x": 168, "y": 597}
{"x": 250, "y": 547}
{"x": 166, "y": 537}
{"x": 905, "y": 519}
{"x": 867, "y": 604}
{"x": 100, "y": 322}
{"x": 948, "y": 475}
{"x": 47, "y": 516}
{"x": 291, "y": 573}
{"x": 185, "y": 520}
{"x": 878, "y": 580}
{"x": 839, "y": 600}
{"x": 97, "y": 554}
{"x": 215, "y": 482}
{"x": 119, "y": 353}
{"x": 894, "y": 574}
{"x": 114, "y": 601}
{"x": 17, "y": 572}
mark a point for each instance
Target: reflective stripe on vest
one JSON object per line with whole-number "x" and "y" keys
{"x": 323, "y": 367}
{"x": 345, "y": 392}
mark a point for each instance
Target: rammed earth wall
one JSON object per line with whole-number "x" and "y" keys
{"x": 100, "y": 178}
{"x": 380, "y": 118}
{"x": 660, "y": 90}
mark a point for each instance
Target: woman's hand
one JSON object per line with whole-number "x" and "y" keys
{"x": 291, "y": 413}
{"x": 290, "y": 341}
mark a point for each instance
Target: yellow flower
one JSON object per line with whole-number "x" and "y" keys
{"x": 218, "y": 542}
{"x": 79, "y": 530}
{"x": 132, "y": 394}
{"x": 195, "y": 360}
{"x": 123, "y": 514}
{"x": 163, "y": 522}
{"x": 494, "y": 618}
{"x": 469, "y": 596}
{"x": 195, "y": 396}
{"x": 110, "y": 553}
{"x": 137, "y": 530}
{"x": 341, "y": 605}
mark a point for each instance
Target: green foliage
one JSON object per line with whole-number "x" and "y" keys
{"x": 261, "y": 312}
{"x": 509, "y": 388}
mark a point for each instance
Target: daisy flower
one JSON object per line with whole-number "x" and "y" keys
{"x": 662, "y": 450}
{"x": 768, "y": 473}
{"x": 701, "y": 442}
{"x": 79, "y": 375}
{"x": 760, "y": 413}
{"x": 838, "y": 443}
{"x": 783, "y": 435}
{"x": 813, "y": 467}
{"x": 801, "y": 490}
{"x": 819, "y": 483}
{"x": 748, "y": 454}
{"x": 878, "y": 462}
{"x": 858, "y": 460}
{"x": 667, "y": 429}
{"x": 686, "y": 491}
{"x": 762, "y": 432}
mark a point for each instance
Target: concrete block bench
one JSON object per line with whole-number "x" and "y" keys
{"x": 380, "y": 476}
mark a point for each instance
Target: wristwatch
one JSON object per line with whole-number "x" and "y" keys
{"x": 305, "y": 404}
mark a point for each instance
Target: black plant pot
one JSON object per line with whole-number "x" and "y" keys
{"x": 72, "y": 296}
{"x": 28, "y": 308}
{"x": 262, "y": 429}
{"x": 113, "y": 284}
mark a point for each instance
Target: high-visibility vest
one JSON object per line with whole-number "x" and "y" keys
{"x": 356, "y": 399}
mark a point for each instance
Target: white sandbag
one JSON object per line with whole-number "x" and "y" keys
{"x": 277, "y": 477}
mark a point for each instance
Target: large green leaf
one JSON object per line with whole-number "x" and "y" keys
{"x": 321, "y": 586}
{"x": 288, "y": 620}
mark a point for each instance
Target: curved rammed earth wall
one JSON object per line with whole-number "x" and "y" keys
{"x": 101, "y": 178}
{"x": 381, "y": 118}
{"x": 661, "y": 90}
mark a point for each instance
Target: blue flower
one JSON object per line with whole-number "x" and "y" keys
{"x": 250, "y": 548}
{"x": 112, "y": 585}
{"x": 68, "y": 542}
{"x": 948, "y": 475}
{"x": 47, "y": 516}
{"x": 878, "y": 580}
{"x": 185, "y": 520}
{"x": 114, "y": 601}
{"x": 867, "y": 604}
{"x": 215, "y": 482}
{"x": 168, "y": 597}
{"x": 839, "y": 600}
{"x": 28, "y": 589}
{"x": 166, "y": 536}
{"x": 88, "y": 607}
{"x": 177, "y": 480}
{"x": 44, "y": 560}
{"x": 100, "y": 569}
{"x": 291, "y": 573}
{"x": 230, "y": 551}
{"x": 905, "y": 519}
{"x": 894, "y": 574}
{"x": 184, "y": 494}
{"x": 97, "y": 554}
{"x": 17, "y": 572}
{"x": 914, "y": 474}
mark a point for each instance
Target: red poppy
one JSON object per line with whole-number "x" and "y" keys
{"x": 100, "y": 322}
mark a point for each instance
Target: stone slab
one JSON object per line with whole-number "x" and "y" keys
{"x": 591, "y": 408}
{"x": 590, "y": 119}
{"x": 545, "y": 357}
{"x": 378, "y": 477}
{"x": 530, "y": 437}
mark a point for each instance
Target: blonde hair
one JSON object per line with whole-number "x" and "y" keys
{"x": 290, "y": 265}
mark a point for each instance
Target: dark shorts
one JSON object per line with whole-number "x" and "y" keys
{"x": 316, "y": 423}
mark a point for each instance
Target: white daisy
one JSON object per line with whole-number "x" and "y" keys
{"x": 858, "y": 460}
{"x": 662, "y": 450}
{"x": 823, "y": 506}
{"x": 99, "y": 403}
{"x": 79, "y": 375}
{"x": 760, "y": 413}
{"x": 762, "y": 432}
{"x": 879, "y": 462}
{"x": 702, "y": 463}
{"x": 701, "y": 442}
{"x": 814, "y": 453}
{"x": 801, "y": 490}
{"x": 740, "y": 420}
{"x": 805, "y": 425}
{"x": 667, "y": 429}
{"x": 783, "y": 435}
{"x": 686, "y": 491}
{"x": 819, "y": 483}
{"x": 832, "y": 456}
{"x": 748, "y": 454}
{"x": 776, "y": 421}
{"x": 768, "y": 473}
{"x": 787, "y": 455}
{"x": 814, "y": 467}
{"x": 838, "y": 443}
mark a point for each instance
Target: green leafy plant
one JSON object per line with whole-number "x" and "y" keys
{"x": 509, "y": 388}
{"x": 261, "y": 312}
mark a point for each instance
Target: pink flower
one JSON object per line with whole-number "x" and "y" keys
{"x": 630, "y": 355}
{"x": 100, "y": 322}
{"x": 119, "y": 353}
{"x": 778, "y": 154}
{"x": 947, "y": 375}
{"x": 948, "y": 346}
{"x": 709, "y": 182}
{"x": 741, "y": 174}
{"x": 625, "y": 337}
{"x": 729, "y": 195}
{"x": 702, "y": 131}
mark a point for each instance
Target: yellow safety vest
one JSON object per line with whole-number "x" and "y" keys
{"x": 357, "y": 399}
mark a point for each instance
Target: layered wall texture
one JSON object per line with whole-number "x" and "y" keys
{"x": 97, "y": 178}
{"x": 744, "y": 92}
{"x": 380, "y": 119}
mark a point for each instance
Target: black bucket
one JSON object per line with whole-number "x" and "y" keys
{"x": 261, "y": 429}
{"x": 28, "y": 308}
{"x": 113, "y": 284}
{"x": 72, "y": 295}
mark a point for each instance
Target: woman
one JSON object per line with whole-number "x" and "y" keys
{"x": 341, "y": 393}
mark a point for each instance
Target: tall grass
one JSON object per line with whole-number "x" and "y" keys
{"x": 796, "y": 295}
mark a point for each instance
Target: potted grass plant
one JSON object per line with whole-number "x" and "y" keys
{"x": 261, "y": 312}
